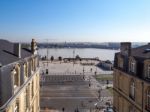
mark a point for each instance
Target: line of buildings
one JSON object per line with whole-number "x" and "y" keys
{"x": 132, "y": 79}
{"x": 19, "y": 78}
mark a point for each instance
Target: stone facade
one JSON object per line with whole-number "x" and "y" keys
{"x": 131, "y": 80}
{"x": 19, "y": 82}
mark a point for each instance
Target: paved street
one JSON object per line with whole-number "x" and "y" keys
{"x": 69, "y": 91}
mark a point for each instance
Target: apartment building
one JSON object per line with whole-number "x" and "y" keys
{"x": 19, "y": 78}
{"x": 132, "y": 79}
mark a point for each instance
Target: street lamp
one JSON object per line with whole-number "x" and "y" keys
{"x": 83, "y": 73}
{"x": 96, "y": 71}
{"x": 99, "y": 93}
{"x": 89, "y": 81}
{"x": 73, "y": 57}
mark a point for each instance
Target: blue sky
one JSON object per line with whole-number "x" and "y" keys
{"x": 75, "y": 20}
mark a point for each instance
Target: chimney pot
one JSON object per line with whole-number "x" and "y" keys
{"x": 33, "y": 47}
{"x": 17, "y": 49}
{"x": 125, "y": 48}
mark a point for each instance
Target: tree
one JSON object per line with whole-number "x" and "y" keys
{"x": 60, "y": 58}
{"x": 77, "y": 57}
{"x": 52, "y": 58}
{"x": 80, "y": 60}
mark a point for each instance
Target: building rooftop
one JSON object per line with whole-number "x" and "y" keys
{"x": 141, "y": 52}
{"x": 7, "y": 54}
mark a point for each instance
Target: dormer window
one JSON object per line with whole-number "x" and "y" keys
{"x": 26, "y": 70}
{"x": 120, "y": 62}
{"x": 147, "y": 68}
{"x": 132, "y": 65}
{"x": 32, "y": 65}
{"x": 148, "y": 71}
{"x": 16, "y": 76}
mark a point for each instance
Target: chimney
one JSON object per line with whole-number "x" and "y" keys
{"x": 33, "y": 47}
{"x": 17, "y": 49}
{"x": 125, "y": 48}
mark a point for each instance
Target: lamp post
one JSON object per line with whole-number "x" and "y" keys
{"x": 96, "y": 71}
{"x": 83, "y": 73}
{"x": 73, "y": 56}
{"x": 89, "y": 81}
{"x": 99, "y": 93}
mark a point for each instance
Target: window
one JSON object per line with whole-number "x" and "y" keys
{"x": 132, "y": 67}
{"x": 32, "y": 108}
{"x": 120, "y": 82}
{"x": 32, "y": 86}
{"x": 26, "y": 69}
{"x": 148, "y": 71}
{"x": 16, "y": 109}
{"x": 16, "y": 76}
{"x": 26, "y": 99}
{"x": 120, "y": 62}
{"x": 32, "y": 65}
{"x": 148, "y": 100}
{"x": 132, "y": 90}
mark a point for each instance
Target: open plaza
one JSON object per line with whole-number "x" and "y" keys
{"x": 75, "y": 86}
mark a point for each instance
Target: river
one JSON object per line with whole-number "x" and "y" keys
{"x": 102, "y": 54}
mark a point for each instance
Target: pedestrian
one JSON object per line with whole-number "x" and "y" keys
{"x": 91, "y": 69}
{"x": 63, "y": 109}
{"x": 83, "y": 77}
{"x": 89, "y": 84}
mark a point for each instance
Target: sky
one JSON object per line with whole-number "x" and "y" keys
{"x": 75, "y": 20}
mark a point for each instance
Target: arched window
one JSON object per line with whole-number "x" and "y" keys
{"x": 16, "y": 109}
{"x": 16, "y": 76}
{"x": 26, "y": 69}
{"x": 26, "y": 98}
{"x": 32, "y": 64}
{"x": 132, "y": 89}
{"x": 147, "y": 68}
{"x": 132, "y": 66}
{"x": 32, "y": 88}
{"x": 148, "y": 99}
{"x": 120, "y": 62}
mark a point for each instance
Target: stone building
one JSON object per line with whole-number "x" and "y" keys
{"x": 19, "y": 78}
{"x": 132, "y": 79}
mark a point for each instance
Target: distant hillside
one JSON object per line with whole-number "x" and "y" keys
{"x": 104, "y": 45}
